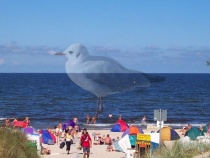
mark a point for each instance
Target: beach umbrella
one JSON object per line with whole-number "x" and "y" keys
{"x": 132, "y": 130}
{"x": 167, "y": 133}
{"x": 193, "y": 133}
{"x": 120, "y": 126}
{"x": 30, "y": 130}
{"x": 206, "y": 128}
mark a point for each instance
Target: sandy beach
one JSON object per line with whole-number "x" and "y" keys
{"x": 97, "y": 151}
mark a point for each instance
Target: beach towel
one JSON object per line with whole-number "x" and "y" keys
{"x": 21, "y": 124}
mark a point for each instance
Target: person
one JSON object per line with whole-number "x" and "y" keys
{"x": 68, "y": 138}
{"x": 109, "y": 147}
{"x": 46, "y": 151}
{"x": 66, "y": 130}
{"x": 88, "y": 119}
{"x": 96, "y": 136}
{"x": 93, "y": 120}
{"x": 108, "y": 140}
{"x": 76, "y": 129}
{"x": 144, "y": 120}
{"x": 86, "y": 143}
{"x": 118, "y": 138}
{"x": 201, "y": 128}
{"x": 101, "y": 141}
{"x": 71, "y": 129}
{"x": 120, "y": 117}
{"x": 60, "y": 125}
{"x": 13, "y": 122}
{"x": 7, "y": 122}
{"x": 110, "y": 115}
{"x": 50, "y": 130}
{"x": 27, "y": 121}
{"x": 104, "y": 137}
{"x": 189, "y": 126}
{"x": 75, "y": 120}
{"x": 185, "y": 129}
{"x": 58, "y": 133}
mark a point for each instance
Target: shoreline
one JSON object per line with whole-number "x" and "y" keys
{"x": 104, "y": 126}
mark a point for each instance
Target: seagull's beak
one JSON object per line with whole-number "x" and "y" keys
{"x": 59, "y": 53}
{"x": 52, "y": 52}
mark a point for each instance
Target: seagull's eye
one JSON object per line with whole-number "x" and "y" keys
{"x": 70, "y": 52}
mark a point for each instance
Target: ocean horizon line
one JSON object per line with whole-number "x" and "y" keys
{"x": 138, "y": 72}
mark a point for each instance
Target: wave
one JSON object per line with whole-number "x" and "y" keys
{"x": 6, "y": 118}
{"x": 144, "y": 125}
{"x": 98, "y": 125}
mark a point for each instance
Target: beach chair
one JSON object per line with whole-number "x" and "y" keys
{"x": 117, "y": 146}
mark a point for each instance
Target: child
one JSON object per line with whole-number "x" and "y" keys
{"x": 46, "y": 151}
{"x": 109, "y": 147}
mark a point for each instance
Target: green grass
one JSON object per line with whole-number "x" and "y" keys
{"x": 14, "y": 144}
{"x": 180, "y": 150}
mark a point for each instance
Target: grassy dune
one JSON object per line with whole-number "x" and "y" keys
{"x": 14, "y": 144}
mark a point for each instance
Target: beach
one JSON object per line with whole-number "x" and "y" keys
{"x": 97, "y": 151}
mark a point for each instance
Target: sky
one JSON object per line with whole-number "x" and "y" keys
{"x": 145, "y": 35}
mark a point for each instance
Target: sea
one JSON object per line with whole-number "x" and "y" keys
{"x": 50, "y": 98}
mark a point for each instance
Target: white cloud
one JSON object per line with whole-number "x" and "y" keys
{"x": 1, "y": 61}
{"x": 13, "y": 48}
{"x": 15, "y": 63}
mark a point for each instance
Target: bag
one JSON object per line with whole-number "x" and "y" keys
{"x": 50, "y": 142}
{"x": 62, "y": 145}
{"x": 79, "y": 147}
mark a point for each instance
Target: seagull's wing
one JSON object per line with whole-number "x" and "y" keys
{"x": 103, "y": 76}
{"x": 98, "y": 64}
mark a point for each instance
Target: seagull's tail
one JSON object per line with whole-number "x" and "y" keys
{"x": 154, "y": 79}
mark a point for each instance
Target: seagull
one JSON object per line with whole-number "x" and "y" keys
{"x": 102, "y": 75}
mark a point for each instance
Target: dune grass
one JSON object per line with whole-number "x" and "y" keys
{"x": 14, "y": 144}
{"x": 180, "y": 150}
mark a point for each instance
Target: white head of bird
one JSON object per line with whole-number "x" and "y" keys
{"x": 76, "y": 53}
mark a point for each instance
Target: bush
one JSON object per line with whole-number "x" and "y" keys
{"x": 180, "y": 150}
{"x": 14, "y": 144}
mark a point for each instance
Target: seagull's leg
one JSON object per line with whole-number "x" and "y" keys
{"x": 100, "y": 104}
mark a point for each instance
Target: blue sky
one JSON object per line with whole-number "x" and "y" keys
{"x": 150, "y": 36}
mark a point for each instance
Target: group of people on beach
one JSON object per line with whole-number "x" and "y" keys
{"x": 92, "y": 119}
{"x": 185, "y": 129}
{"x": 104, "y": 140}
{"x": 7, "y": 122}
{"x": 69, "y": 134}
